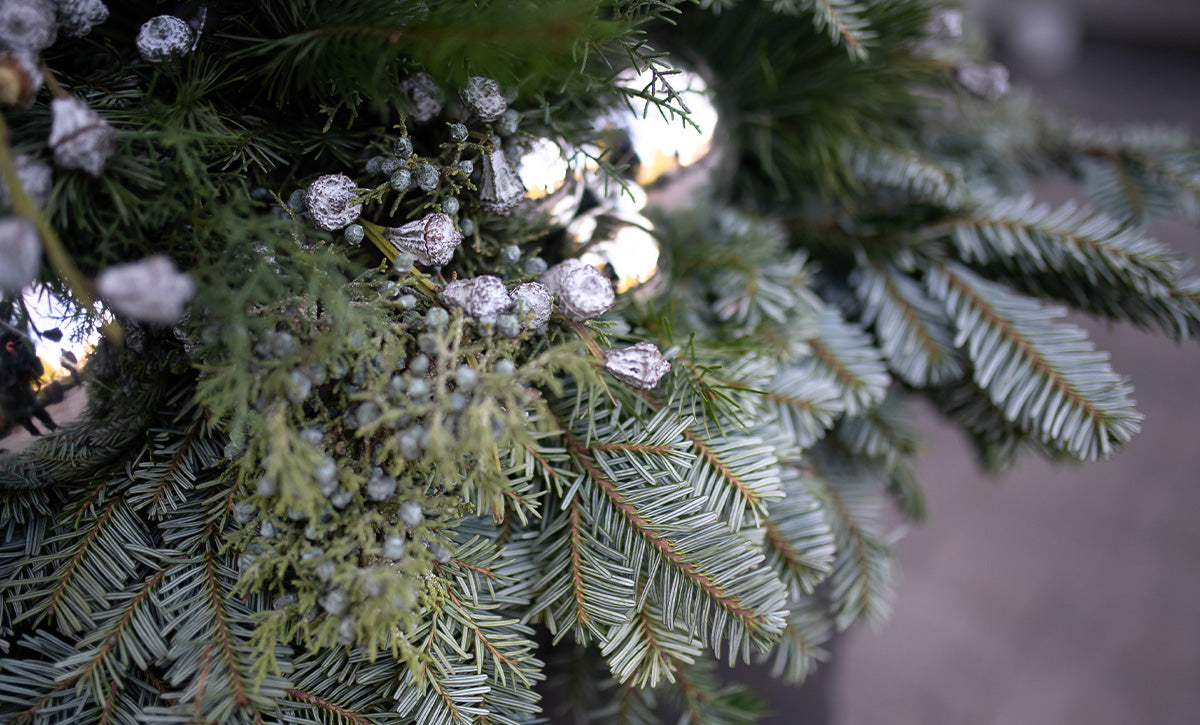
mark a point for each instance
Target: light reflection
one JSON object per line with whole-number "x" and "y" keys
{"x": 622, "y": 242}
{"x": 543, "y": 169}
{"x": 665, "y": 143}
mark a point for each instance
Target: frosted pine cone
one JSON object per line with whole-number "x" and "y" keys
{"x": 500, "y": 189}
{"x": 987, "y": 81}
{"x": 640, "y": 366}
{"x": 533, "y": 304}
{"x": 27, "y": 25}
{"x": 944, "y": 24}
{"x": 20, "y": 254}
{"x": 330, "y": 202}
{"x": 482, "y": 95}
{"x": 581, "y": 291}
{"x": 425, "y": 97}
{"x": 150, "y": 290}
{"x": 163, "y": 37}
{"x": 483, "y": 298}
{"x": 36, "y": 178}
{"x": 76, "y": 18}
{"x": 80, "y": 137}
{"x": 430, "y": 240}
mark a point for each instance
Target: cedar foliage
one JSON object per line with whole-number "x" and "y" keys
{"x": 201, "y": 546}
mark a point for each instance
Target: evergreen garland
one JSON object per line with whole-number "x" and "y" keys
{"x": 330, "y": 494}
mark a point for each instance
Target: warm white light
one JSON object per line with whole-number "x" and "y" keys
{"x": 543, "y": 169}
{"x": 664, "y": 142}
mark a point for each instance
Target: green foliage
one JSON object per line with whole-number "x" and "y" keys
{"x": 331, "y": 496}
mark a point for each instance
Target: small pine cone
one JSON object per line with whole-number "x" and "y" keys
{"x": 482, "y": 95}
{"x": 944, "y": 24}
{"x": 425, "y": 97}
{"x": 80, "y": 137}
{"x": 150, "y": 290}
{"x": 164, "y": 37}
{"x": 533, "y": 304}
{"x": 20, "y": 78}
{"x": 500, "y": 189}
{"x": 483, "y": 298}
{"x": 988, "y": 81}
{"x": 640, "y": 366}
{"x": 431, "y": 240}
{"x": 76, "y": 18}
{"x": 27, "y": 25}
{"x": 36, "y": 178}
{"x": 20, "y": 254}
{"x": 581, "y": 291}
{"x": 330, "y": 202}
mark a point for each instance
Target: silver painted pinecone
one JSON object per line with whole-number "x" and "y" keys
{"x": 484, "y": 98}
{"x": 76, "y": 18}
{"x": 36, "y": 177}
{"x": 163, "y": 37}
{"x": 580, "y": 290}
{"x": 639, "y": 366}
{"x": 500, "y": 189}
{"x": 430, "y": 240}
{"x": 330, "y": 202}
{"x": 483, "y": 298}
{"x": 988, "y": 81}
{"x": 425, "y": 98}
{"x": 533, "y": 304}
{"x": 20, "y": 254}
{"x": 27, "y": 25}
{"x": 149, "y": 290}
{"x": 80, "y": 137}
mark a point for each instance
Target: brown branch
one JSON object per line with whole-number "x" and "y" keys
{"x": 577, "y": 565}
{"x": 660, "y": 543}
{"x": 323, "y": 704}
{"x": 663, "y": 450}
{"x": 64, "y": 579}
{"x": 748, "y": 494}
{"x": 224, "y": 634}
{"x": 1024, "y": 347}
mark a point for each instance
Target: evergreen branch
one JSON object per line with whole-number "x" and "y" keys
{"x": 586, "y": 587}
{"x": 658, "y": 450}
{"x": 646, "y": 650}
{"x": 132, "y": 634}
{"x": 913, "y": 330}
{"x": 97, "y": 555}
{"x": 1027, "y": 237}
{"x": 922, "y": 178}
{"x": 845, "y": 352}
{"x": 798, "y": 542}
{"x": 799, "y": 651}
{"x": 1046, "y": 378}
{"x": 703, "y": 698}
{"x": 223, "y": 633}
{"x": 807, "y": 401}
{"x": 664, "y": 546}
{"x": 343, "y": 714}
{"x": 860, "y": 585}
{"x": 737, "y": 474}
{"x": 698, "y": 553}
{"x": 845, "y": 24}
{"x": 884, "y": 436}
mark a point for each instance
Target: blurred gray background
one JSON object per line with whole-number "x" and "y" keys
{"x": 1063, "y": 596}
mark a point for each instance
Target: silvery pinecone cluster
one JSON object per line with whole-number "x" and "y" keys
{"x": 470, "y": 174}
{"x": 80, "y": 140}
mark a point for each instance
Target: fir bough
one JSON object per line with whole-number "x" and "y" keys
{"x": 330, "y": 495}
